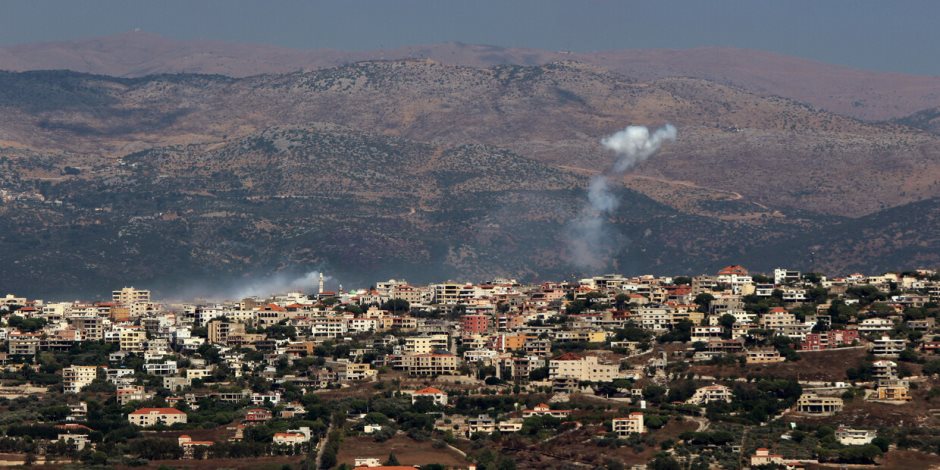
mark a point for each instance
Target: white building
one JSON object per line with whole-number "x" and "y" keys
{"x": 710, "y": 393}
{"x": 632, "y": 424}
{"x": 855, "y": 437}
{"x": 147, "y": 417}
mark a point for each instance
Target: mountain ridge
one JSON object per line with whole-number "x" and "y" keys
{"x": 419, "y": 169}
{"x": 858, "y": 93}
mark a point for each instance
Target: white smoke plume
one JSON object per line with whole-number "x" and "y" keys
{"x": 247, "y": 286}
{"x": 277, "y": 284}
{"x": 590, "y": 240}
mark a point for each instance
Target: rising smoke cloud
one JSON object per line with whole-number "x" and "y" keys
{"x": 276, "y": 284}
{"x": 589, "y": 238}
{"x": 217, "y": 290}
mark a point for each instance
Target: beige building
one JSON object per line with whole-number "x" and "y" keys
{"x": 219, "y": 331}
{"x": 131, "y": 393}
{"x": 582, "y": 369}
{"x": 764, "y": 356}
{"x": 429, "y": 364}
{"x": 147, "y": 417}
{"x": 426, "y": 344}
{"x": 75, "y": 378}
{"x": 763, "y": 457}
{"x": 810, "y": 403}
{"x": 895, "y": 390}
{"x": 346, "y": 370}
{"x": 132, "y": 339}
{"x": 632, "y": 424}
{"x": 130, "y": 295}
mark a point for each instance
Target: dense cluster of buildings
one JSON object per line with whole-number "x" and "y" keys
{"x": 562, "y": 336}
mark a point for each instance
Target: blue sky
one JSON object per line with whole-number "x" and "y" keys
{"x": 895, "y": 35}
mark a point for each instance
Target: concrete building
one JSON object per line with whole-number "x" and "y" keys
{"x": 855, "y": 437}
{"x": 130, "y": 295}
{"x": 75, "y": 378}
{"x": 828, "y": 340}
{"x": 763, "y": 456}
{"x": 132, "y": 339}
{"x": 427, "y": 344}
{"x": 810, "y": 403}
{"x": 632, "y": 424}
{"x": 582, "y": 369}
{"x": 710, "y": 393}
{"x": 429, "y": 364}
{"x": 542, "y": 409}
{"x": 437, "y": 396}
{"x": 764, "y": 356}
{"x": 147, "y": 417}
{"x": 887, "y": 347}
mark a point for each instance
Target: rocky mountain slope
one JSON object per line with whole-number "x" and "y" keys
{"x": 771, "y": 151}
{"x": 428, "y": 170}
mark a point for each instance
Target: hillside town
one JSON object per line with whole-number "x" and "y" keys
{"x": 727, "y": 370}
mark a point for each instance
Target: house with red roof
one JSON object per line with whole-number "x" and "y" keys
{"x": 189, "y": 445}
{"x": 439, "y": 397}
{"x": 147, "y": 417}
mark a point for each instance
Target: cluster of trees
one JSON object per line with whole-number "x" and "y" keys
{"x": 754, "y": 403}
{"x": 331, "y": 449}
{"x": 26, "y": 324}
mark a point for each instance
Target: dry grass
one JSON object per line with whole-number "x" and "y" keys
{"x": 406, "y": 450}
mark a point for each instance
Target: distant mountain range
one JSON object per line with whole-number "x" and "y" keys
{"x": 428, "y": 169}
{"x": 857, "y": 93}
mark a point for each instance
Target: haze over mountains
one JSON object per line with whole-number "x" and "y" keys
{"x": 468, "y": 165}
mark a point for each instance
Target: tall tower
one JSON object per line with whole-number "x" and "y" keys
{"x": 320, "y": 291}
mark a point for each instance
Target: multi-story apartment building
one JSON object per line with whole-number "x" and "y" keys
{"x": 426, "y": 344}
{"x": 887, "y": 347}
{"x": 656, "y": 318}
{"x": 147, "y": 417}
{"x": 346, "y": 370}
{"x": 875, "y": 325}
{"x": 828, "y": 339}
{"x": 445, "y": 294}
{"x": 475, "y": 324}
{"x": 582, "y": 369}
{"x": 218, "y": 331}
{"x": 23, "y": 344}
{"x": 132, "y": 339}
{"x": 810, "y": 403}
{"x": 75, "y": 378}
{"x": 130, "y": 295}
{"x": 632, "y": 424}
{"x": 429, "y": 364}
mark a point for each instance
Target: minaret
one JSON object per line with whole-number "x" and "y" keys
{"x": 320, "y": 291}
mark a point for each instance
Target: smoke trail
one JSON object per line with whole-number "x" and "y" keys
{"x": 277, "y": 284}
{"x": 590, "y": 240}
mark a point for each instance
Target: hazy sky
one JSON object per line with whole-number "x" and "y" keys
{"x": 893, "y": 35}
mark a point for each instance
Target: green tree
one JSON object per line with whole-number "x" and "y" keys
{"x": 703, "y": 300}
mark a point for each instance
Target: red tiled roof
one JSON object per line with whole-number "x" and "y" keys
{"x": 165, "y": 411}
{"x": 733, "y": 269}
